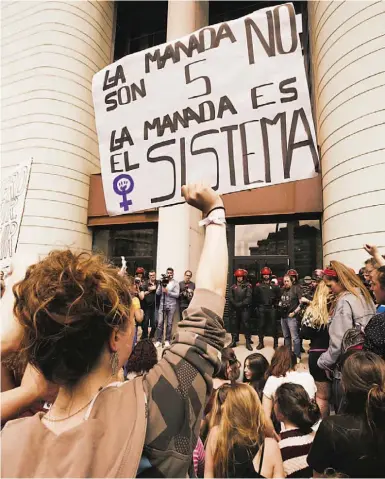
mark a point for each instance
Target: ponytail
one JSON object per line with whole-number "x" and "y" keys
{"x": 375, "y": 409}
{"x": 363, "y": 379}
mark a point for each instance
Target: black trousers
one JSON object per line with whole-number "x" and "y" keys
{"x": 267, "y": 322}
{"x": 150, "y": 316}
{"x": 238, "y": 319}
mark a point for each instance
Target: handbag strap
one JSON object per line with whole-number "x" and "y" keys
{"x": 261, "y": 461}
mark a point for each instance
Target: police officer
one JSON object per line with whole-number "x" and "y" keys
{"x": 240, "y": 299}
{"x": 267, "y": 296}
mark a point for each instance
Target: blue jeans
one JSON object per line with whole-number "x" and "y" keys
{"x": 290, "y": 333}
{"x": 169, "y": 314}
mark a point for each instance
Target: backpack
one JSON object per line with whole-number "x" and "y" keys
{"x": 354, "y": 337}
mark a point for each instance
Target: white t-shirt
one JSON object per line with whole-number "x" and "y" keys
{"x": 302, "y": 378}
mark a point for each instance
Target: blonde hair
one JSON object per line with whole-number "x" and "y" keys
{"x": 318, "y": 308}
{"x": 242, "y": 423}
{"x": 350, "y": 281}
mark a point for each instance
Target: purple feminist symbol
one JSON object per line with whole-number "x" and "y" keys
{"x": 123, "y": 185}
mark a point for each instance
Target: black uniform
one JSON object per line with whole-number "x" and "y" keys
{"x": 240, "y": 299}
{"x": 150, "y": 308}
{"x": 267, "y": 297}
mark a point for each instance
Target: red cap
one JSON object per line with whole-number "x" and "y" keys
{"x": 266, "y": 270}
{"x": 139, "y": 270}
{"x": 331, "y": 273}
{"x": 240, "y": 273}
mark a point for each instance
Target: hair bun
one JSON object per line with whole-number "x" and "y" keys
{"x": 377, "y": 393}
{"x": 313, "y": 407}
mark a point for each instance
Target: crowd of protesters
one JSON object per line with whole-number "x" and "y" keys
{"x": 93, "y": 395}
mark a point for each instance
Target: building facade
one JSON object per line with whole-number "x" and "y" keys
{"x": 51, "y": 50}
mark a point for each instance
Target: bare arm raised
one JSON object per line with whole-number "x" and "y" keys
{"x": 213, "y": 264}
{"x": 374, "y": 253}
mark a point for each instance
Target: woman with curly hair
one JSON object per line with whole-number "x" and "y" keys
{"x": 238, "y": 446}
{"x": 144, "y": 356}
{"x": 75, "y": 325}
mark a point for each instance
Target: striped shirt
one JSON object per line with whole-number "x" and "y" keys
{"x": 199, "y": 458}
{"x": 295, "y": 446}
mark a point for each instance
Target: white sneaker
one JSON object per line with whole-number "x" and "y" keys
{"x": 157, "y": 344}
{"x": 298, "y": 360}
{"x": 167, "y": 344}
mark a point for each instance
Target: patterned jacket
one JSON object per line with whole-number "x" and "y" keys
{"x": 178, "y": 388}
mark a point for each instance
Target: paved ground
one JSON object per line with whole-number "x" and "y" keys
{"x": 267, "y": 351}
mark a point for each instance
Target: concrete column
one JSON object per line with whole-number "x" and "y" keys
{"x": 348, "y": 58}
{"x": 50, "y": 52}
{"x": 180, "y": 239}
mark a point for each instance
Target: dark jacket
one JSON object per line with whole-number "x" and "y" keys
{"x": 319, "y": 337}
{"x": 185, "y": 296}
{"x": 375, "y": 335}
{"x": 240, "y": 296}
{"x": 267, "y": 295}
{"x": 149, "y": 299}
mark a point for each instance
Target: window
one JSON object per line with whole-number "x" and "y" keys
{"x": 139, "y": 25}
{"x": 262, "y": 239}
{"x": 138, "y": 246}
{"x": 279, "y": 244}
{"x": 133, "y": 243}
{"x": 307, "y": 246}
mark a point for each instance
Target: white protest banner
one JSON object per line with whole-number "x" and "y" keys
{"x": 13, "y": 192}
{"x": 228, "y": 105}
